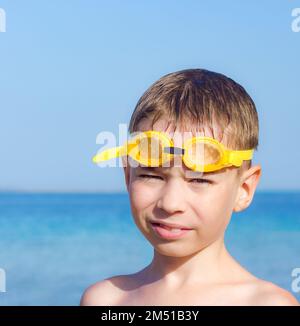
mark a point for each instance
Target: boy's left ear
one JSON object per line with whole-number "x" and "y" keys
{"x": 248, "y": 183}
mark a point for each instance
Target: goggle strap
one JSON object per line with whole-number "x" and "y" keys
{"x": 237, "y": 157}
{"x": 174, "y": 150}
{"x": 108, "y": 154}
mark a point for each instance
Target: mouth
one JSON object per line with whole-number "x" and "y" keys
{"x": 169, "y": 231}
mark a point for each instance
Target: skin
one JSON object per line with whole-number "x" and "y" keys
{"x": 196, "y": 269}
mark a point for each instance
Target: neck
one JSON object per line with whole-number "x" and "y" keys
{"x": 206, "y": 265}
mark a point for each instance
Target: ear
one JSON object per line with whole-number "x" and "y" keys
{"x": 126, "y": 168}
{"x": 248, "y": 183}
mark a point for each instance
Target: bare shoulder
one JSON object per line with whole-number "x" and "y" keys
{"x": 269, "y": 294}
{"x": 107, "y": 292}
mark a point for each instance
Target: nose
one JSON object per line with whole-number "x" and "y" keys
{"x": 172, "y": 199}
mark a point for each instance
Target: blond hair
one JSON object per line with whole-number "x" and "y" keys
{"x": 198, "y": 97}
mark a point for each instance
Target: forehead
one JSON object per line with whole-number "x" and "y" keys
{"x": 184, "y": 171}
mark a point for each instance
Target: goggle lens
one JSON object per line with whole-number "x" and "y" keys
{"x": 149, "y": 151}
{"x": 202, "y": 153}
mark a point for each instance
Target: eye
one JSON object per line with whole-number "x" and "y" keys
{"x": 201, "y": 181}
{"x": 149, "y": 176}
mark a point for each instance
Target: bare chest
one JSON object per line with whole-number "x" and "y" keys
{"x": 196, "y": 297}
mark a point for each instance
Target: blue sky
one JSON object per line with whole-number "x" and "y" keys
{"x": 70, "y": 69}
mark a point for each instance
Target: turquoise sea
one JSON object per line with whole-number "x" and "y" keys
{"x": 52, "y": 246}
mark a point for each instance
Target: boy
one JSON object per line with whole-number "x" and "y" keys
{"x": 184, "y": 209}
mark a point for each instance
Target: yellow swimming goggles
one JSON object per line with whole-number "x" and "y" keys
{"x": 154, "y": 149}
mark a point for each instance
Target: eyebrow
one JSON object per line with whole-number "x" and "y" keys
{"x": 159, "y": 169}
{"x": 149, "y": 168}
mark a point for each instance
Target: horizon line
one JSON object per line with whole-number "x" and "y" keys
{"x": 112, "y": 192}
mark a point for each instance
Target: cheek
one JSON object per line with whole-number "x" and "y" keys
{"x": 214, "y": 210}
{"x": 142, "y": 201}
{"x": 141, "y": 197}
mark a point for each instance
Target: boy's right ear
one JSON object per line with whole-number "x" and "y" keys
{"x": 126, "y": 168}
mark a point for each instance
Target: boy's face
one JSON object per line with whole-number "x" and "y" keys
{"x": 193, "y": 208}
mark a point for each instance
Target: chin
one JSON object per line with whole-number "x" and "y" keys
{"x": 172, "y": 249}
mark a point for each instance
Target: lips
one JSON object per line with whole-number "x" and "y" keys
{"x": 169, "y": 231}
{"x": 170, "y": 226}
